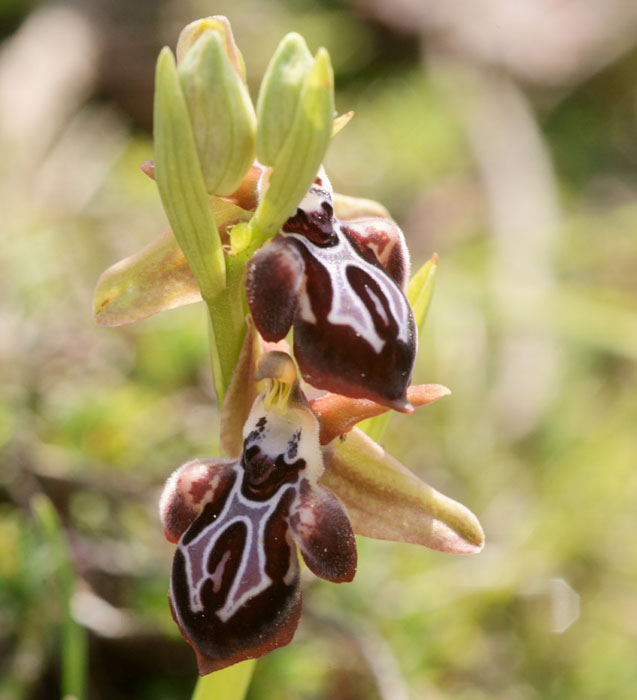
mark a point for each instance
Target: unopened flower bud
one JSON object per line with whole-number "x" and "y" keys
{"x": 221, "y": 113}
{"x": 218, "y": 23}
{"x": 300, "y": 146}
{"x": 280, "y": 95}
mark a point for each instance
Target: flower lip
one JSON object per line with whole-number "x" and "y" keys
{"x": 235, "y": 580}
{"x": 337, "y": 285}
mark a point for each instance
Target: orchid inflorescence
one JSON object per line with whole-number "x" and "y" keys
{"x": 257, "y": 233}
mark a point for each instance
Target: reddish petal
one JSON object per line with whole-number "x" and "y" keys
{"x": 239, "y": 396}
{"x": 384, "y": 239}
{"x": 274, "y": 276}
{"x": 324, "y": 534}
{"x": 338, "y": 414}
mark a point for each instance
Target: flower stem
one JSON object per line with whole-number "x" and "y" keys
{"x": 228, "y": 684}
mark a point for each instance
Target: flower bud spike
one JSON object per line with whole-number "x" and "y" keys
{"x": 221, "y": 113}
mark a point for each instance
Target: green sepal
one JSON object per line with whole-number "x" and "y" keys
{"x": 221, "y": 113}
{"x": 348, "y": 208}
{"x": 298, "y": 161}
{"x": 156, "y": 278}
{"x": 386, "y": 501}
{"x": 280, "y": 94}
{"x": 421, "y": 289}
{"x": 180, "y": 181}
{"x": 419, "y": 294}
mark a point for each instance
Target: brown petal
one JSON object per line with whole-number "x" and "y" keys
{"x": 324, "y": 534}
{"x": 235, "y": 583}
{"x": 239, "y": 396}
{"x": 386, "y": 501}
{"x": 190, "y": 489}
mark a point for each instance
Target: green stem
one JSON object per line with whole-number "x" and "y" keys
{"x": 74, "y": 648}
{"x": 229, "y": 684}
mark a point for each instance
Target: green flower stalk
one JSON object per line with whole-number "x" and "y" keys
{"x": 269, "y": 247}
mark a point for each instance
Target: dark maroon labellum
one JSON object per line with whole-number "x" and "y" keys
{"x": 235, "y": 579}
{"x": 339, "y": 286}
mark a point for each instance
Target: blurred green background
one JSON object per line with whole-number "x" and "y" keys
{"x": 501, "y": 135}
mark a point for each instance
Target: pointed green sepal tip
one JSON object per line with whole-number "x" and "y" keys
{"x": 180, "y": 181}
{"x": 388, "y": 502}
{"x": 221, "y": 113}
{"x": 421, "y": 289}
{"x": 219, "y": 24}
{"x": 280, "y": 94}
{"x": 155, "y": 279}
{"x": 299, "y": 158}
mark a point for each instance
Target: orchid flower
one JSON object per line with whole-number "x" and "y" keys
{"x": 341, "y": 286}
{"x": 258, "y": 234}
{"x": 238, "y": 522}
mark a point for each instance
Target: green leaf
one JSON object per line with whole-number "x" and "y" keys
{"x": 180, "y": 181}
{"x": 156, "y": 278}
{"x": 221, "y": 113}
{"x": 386, "y": 501}
{"x": 298, "y": 161}
{"x": 74, "y": 642}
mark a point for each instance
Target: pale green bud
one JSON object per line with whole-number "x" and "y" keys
{"x": 221, "y": 113}
{"x": 280, "y": 95}
{"x": 297, "y": 161}
{"x": 218, "y": 23}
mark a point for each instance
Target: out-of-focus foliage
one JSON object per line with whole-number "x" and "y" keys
{"x": 535, "y": 332}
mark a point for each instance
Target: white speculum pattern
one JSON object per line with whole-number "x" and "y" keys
{"x": 347, "y": 309}
{"x": 237, "y": 509}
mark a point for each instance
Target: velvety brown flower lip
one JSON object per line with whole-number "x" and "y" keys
{"x": 339, "y": 287}
{"x": 237, "y": 524}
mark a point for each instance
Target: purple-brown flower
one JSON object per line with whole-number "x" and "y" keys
{"x": 235, "y": 580}
{"x": 340, "y": 285}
